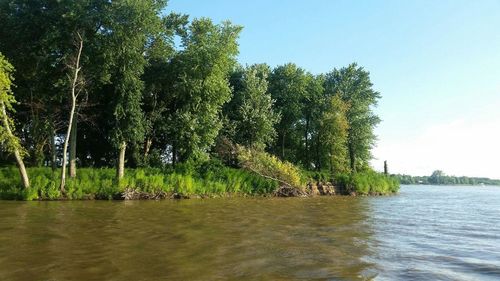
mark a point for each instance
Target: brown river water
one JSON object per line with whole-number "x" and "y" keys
{"x": 423, "y": 233}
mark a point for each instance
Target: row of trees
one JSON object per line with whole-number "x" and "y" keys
{"x": 317, "y": 121}
{"x": 440, "y": 178}
{"x": 117, "y": 82}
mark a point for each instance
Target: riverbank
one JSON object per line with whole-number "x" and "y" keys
{"x": 204, "y": 181}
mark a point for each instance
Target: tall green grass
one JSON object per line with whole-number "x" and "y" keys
{"x": 367, "y": 182}
{"x": 202, "y": 179}
{"x": 205, "y": 178}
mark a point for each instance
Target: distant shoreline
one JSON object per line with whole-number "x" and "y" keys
{"x": 440, "y": 178}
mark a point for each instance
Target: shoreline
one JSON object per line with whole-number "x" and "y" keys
{"x": 156, "y": 184}
{"x": 134, "y": 194}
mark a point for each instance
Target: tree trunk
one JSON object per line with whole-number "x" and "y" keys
{"x": 72, "y": 147}
{"x": 65, "y": 149}
{"x": 22, "y": 169}
{"x": 120, "y": 169}
{"x": 53, "y": 154}
{"x": 147, "y": 147}
{"x": 17, "y": 154}
{"x": 71, "y": 114}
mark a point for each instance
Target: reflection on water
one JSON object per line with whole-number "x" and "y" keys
{"x": 233, "y": 239}
{"x": 424, "y": 233}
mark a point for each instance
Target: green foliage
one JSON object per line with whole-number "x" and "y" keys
{"x": 6, "y": 79}
{"x": 8, "y": 142}
{"x": 200, "y": 86}
{"x": 269, "y": 166}
{"x": 367, "y": 182}
{"x": 168, "y": 89}
{"x": 288, "y": 85}
{"x": 250, "y": 112}
{"x": 334, "y": 132}
{"x": 129, "y": 24}
{"x": 38, "y": 37}
{"x": 352, "y": 84}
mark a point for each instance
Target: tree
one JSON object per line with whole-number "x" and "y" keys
{"x": 251, "y": 108}
{"x": 288, "y": 87}
{"x": 31, "y": 32}
{"x": 39, "y": 36}
{"x": 199, "y": 86}
{"x": 75, "y": 87}
{"x": 437, "y": 177}
{"x": 334, "y": 134}
{"x": 128, "y": 26}
{"x": 353, "y": 85}
{"x": 159, "y": 76}
{"x": 7, "y": 138}
{"x": 314, "y": 103}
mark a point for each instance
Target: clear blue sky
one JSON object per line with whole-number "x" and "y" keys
{"x": 435, "y": 62}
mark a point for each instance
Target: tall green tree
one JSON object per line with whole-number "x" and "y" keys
{"x": 40, "y": 37}
{"x": 250, "y": 111}
{"x": 31, "y": 34}
{"x": 313, "y": 106}
{"x": 353, "y": 85}
{"x": 288, "y": 87}
{"x": 128, "y": 27}
{"x": 334, "y": 134}
{"x": 7, "y": 138}
{"x": 200, "y": 86}
{"x": 159, "y": 77}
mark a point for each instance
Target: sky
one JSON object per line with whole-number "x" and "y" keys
{"x": 435, "y": 63}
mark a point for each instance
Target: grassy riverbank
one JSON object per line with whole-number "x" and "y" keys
{"x": 209, "y": 180}
{"x": 370, "y": 182}
{"x": 101, "y": 184}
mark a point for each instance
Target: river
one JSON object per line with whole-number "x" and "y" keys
{"x": 423, "y": 233}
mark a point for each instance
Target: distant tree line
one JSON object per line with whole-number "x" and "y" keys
{"x": 440, "y": 178}
{"x": 116, "y": 83}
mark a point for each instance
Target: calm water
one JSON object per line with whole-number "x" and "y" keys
{"x": 424, "y": 233}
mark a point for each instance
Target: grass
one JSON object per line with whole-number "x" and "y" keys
{"x": 368, "y": 183}
{"x": 209, "y": 178}
{"x": 101, "y": 183}
{"x": 362, "y": 183}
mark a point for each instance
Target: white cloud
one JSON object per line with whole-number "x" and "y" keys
{"x": 468, "y": 146}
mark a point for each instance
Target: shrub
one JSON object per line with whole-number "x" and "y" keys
{"x": 269, "y": 166}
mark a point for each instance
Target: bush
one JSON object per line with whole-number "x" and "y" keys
{"x": 269, "y": 166}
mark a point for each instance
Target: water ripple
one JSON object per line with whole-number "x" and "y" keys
{"x": 424, "y": 233}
